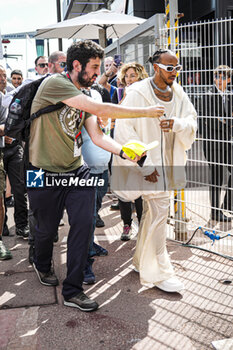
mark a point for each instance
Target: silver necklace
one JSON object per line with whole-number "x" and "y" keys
{"x": 157, "y": 88}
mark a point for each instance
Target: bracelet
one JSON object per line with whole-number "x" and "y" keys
{"x": 106, "y": 75}
{"x": 121, "y": 154}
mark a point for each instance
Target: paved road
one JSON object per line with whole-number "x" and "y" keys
{"x": 32, "y": 316}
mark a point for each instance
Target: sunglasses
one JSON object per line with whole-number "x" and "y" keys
{"x": 43, "y": 65}
{"x": 62, "y": 64}
{"x": 169, "y": 68}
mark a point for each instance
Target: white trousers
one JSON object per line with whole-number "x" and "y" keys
{"x": 151, "y": 258}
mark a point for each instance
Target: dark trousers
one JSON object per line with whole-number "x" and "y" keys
{"x": 218, "y": 153}
{"x": 100, "y": 192}
{"x": 126, "y": 210}
{"x": 32, "y": 227}
{"x": 47, "y": 206}
{"x": 13, "y": 165}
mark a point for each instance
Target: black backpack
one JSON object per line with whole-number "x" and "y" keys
{"x": 18, "y": 125}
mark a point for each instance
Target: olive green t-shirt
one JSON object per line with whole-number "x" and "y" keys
{"x": 51, "y": 145}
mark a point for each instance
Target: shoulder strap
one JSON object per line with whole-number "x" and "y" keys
{"x": 41, "y": 111}
{"x": 45, "y": 110}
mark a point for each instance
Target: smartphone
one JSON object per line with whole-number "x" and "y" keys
{"x": 117, "y": 60}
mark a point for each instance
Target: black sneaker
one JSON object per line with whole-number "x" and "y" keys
{"x": 82, "y": 302}
{"x": 99, "y": 222}
{"x": 115, "y": 206}
{"x": 22, "y": 232}
{"x": 31, "y": 254}
{"x": 99, "y": 251}
{"x": 46, "y": 278}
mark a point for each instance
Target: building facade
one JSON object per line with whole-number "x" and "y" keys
{"x": 193, "y": 10}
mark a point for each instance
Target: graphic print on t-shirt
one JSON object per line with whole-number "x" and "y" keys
{"x": 70, "y": 119}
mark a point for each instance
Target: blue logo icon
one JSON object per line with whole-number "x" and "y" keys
{"x": 35, "y": 178}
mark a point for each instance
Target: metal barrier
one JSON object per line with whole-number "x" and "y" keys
{"x": 202, "y": 46}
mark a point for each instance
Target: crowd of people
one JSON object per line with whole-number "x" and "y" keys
{"x": 84, "y": 139}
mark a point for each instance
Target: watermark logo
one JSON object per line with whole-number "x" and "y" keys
{"x": 35, "y": 178}
{"x": 40, "y": 178}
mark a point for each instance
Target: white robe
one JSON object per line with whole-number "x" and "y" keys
{"x": 151, "y": 258}
{"x": 128, "y": 179}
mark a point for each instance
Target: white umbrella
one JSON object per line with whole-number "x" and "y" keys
{"x": 115, "y": 25}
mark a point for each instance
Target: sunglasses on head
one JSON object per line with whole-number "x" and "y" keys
{"x": 62, "y": 64}
{"x": 169, "y": 68}
{"x": 43, "y": 65}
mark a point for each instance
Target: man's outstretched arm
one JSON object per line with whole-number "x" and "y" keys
{"x": 110, "y": 110}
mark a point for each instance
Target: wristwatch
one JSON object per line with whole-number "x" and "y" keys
{"x": 121, "y": 154}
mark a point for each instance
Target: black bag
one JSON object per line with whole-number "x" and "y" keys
{"x": 18, "y": 125}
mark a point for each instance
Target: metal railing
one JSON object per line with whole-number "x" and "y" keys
{"x": 202, "y": 46}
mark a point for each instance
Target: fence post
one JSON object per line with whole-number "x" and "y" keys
{"x": 172, "y": 16}
{"x": 160, "y": 31}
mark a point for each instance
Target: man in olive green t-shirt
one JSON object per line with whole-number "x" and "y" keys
{"x": 55, "y": 147}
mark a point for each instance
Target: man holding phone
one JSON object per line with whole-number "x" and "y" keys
{"x": 109, "y": 79}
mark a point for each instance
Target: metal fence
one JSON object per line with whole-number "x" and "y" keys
{"x": 201, "y": 48}
{"x": 208, "y": 198}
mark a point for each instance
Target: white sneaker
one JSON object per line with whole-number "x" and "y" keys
{"x": 135, "y": 269}
{"x": 171, "y": 285}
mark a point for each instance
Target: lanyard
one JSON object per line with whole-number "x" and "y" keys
{"x": 81, "y": 113}
{"x": 68, "y": 76}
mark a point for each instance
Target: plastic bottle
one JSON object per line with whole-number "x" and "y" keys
{"x": 14, "y": 115}
{"x": 16, "y": 107}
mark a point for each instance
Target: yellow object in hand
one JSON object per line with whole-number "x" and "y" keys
{"x": 135, "y": 147}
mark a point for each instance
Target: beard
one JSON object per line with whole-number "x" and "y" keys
{"x": 168, "y": 82}
{"x": 83, "y": 80}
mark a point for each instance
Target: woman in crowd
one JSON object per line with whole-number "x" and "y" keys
{"x": 129, "y": 74}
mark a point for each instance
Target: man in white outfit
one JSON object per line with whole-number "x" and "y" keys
{"x": 163, "y": 169}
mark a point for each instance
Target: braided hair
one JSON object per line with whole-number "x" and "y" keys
{"x": 156, "y": 56}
